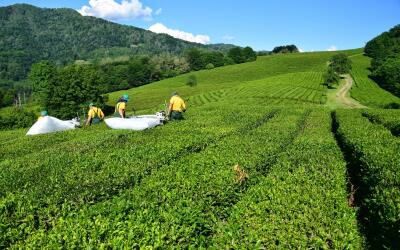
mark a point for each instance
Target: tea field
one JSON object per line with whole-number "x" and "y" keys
{"x": 260, "y": 162}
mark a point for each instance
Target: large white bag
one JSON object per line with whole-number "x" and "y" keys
{"x": 134, "y": 123}
{"x": 49, "y": 124}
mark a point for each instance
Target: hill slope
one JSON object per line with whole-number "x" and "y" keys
{"x": 234, "y": 76}
{"x": 257, "y": 163}
{"x": 29, "y": 34}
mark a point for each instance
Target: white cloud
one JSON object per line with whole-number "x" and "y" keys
{"x": 301, "y": 50}
{"x": 332, "y": 48}
{"x": 110, "y": 9}
{"x": 161, "y": 28}
{"x": 158, "y": 11}
{"x": 228, "y": 38}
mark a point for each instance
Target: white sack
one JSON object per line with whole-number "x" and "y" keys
{"x": 134, "y": 123}
{"x": 49, "y": 124}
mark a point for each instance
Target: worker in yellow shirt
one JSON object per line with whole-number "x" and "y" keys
{"x": 43, "y": 114}
{"x": 121, "y": 106}
{"x": 95, "y": 115}
{"x": 176, "y": 107}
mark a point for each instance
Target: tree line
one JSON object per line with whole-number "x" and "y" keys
{"x": 385, "y": 65}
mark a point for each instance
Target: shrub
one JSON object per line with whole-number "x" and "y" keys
{"x": 210, "y": 66}
{"x": 18, "y": 118}
{"x": 191, "y": 81}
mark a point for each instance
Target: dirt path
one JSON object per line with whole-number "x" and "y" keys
{"x": 340, "y": 97}
{"x": 343, "y": 94}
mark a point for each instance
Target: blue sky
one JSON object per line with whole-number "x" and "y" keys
{"x": 263, "y": 24}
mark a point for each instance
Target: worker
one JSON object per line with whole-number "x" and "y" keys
{"x": 95, "y": 115}
{"x": 121, "y": 106}
{"x": 176, "y": 107}
{"x": 43, "y": 114}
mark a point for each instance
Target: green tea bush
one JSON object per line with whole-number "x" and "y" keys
{"x": 388, "y": 118}
{"x": 17, "y": 118}
{"x": 375, "y": 155}
{"x": 301, "y": 203}
{"x": 180, "y": 205}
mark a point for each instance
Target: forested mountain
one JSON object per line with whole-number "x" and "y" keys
{"x": 29, "y": 34}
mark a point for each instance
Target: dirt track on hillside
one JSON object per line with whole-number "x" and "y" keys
{"x": 342, "y": 94}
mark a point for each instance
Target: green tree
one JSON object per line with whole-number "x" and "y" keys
{"x": 285, "y": 49}
{"x": 194, "y": 58}
{"x": 210, "y": 66}
{"x": 228, "y": 61}
{"x": 42, "y": 75}
{"x": 249, "y": 54}
{"x": 331, "y": 77}
{"x": 75, "y": 85}
{"x": 385, "y": 52}
{"x": 214, "y": 57}
{"x": 341, "y": 63}
{"x": 388, "y": 75}
{"x": 236, "y": 55}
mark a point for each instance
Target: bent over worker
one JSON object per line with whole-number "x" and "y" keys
{"x": 176, "y": 107}
{"x": 121, "y": 106}
{"x": 95, "y": 115}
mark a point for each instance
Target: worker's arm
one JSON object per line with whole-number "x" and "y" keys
{"x": 122, "y": 113}
{"x": 101, "y": 114}
{"x": 89, "y": 117}
{"x": 183, "y": 106}
{"x": 169, "y": 109}
{"x": 88, "y": 120}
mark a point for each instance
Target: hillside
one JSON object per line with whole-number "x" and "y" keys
{"x": 231, "y": 78}
{"x": 29, "y": 34}
{"x": 259, "y": 162}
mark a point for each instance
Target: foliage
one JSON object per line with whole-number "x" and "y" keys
{"x": 199, "y": 59}
{"x": 63, "y": 91}
{"x": 331, "y": 77}
{"x": 285, "y": 49}
{"x": 300, "y": 202}
{"x": 385, "y": 53}
{"x": 30, "y": 34}
{"x": 194, "y": 58}
{"x": 239, "y": 55}
{"x": 388, "y": 118}
{"x": 210, "y": 66}
{"x": 191, "y": 81}
{"x": 236, "y": 55}
{"x": 388, "y": 74}
{"x": 340, "y": 63}
{"x": 11, "y": 91}
{"x": 17, "y": 118}
{"x": 374, "y": 154}
{"x": 42, "y": 75}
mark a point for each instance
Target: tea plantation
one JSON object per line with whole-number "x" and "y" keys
{"x": 260, "y": 162}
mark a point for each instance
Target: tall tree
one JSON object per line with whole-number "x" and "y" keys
{"x": 42, "y": 75}
{"x": 341, "y": 63}
{"x": 236, "y": 55}
{"x": 195, "y": 59}
{"x": 249, "y": 54}
{"x": 75, "y": 86}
